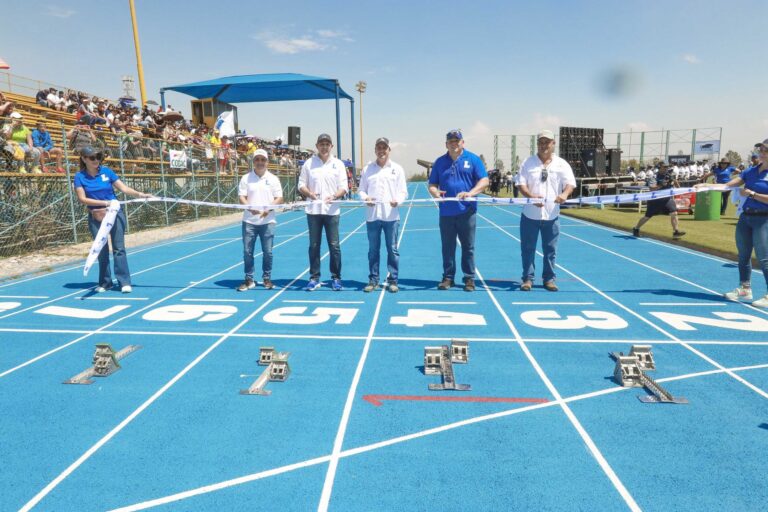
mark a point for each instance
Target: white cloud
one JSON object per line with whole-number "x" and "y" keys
{"x": 478, "y": 130}
{"x": 59, "y": 12}
{"x": 292, "y": 46}
{"x": 691, "y": 58}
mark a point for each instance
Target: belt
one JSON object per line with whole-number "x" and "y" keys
{"x": 752, "y": 212}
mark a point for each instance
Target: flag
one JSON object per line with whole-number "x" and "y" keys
{"x": 225, "y": 123}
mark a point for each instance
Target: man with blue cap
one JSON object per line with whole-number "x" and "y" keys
{"x": 457, "y": 174}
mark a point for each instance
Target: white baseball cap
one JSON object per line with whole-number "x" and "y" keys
{"x": 16, "y": 115}
{"x": 545, "y": 134}
{"x": 261, "y": 152}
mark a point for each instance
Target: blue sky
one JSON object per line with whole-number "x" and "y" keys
{"x": 487, "y": 67}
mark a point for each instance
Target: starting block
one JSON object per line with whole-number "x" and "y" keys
{"x": 630, "y": 372}
{"x": 277, "y": 369}
{"x": 105, "y": 363}
{"x": 439, "y": 361}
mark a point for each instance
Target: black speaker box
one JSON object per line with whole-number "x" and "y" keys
{"x": 593, "y": 162}
{"x": 294, "y": 136}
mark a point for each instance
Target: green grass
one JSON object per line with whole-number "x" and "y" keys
{"x": 713, "y": 237}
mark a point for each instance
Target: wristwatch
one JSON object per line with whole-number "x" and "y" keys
{"x": 752, "y": 194}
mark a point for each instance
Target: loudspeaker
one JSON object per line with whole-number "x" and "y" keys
{"x": 593, "y": 162}
{"x": 614, "y": 162}
{"x": 294, "y": 136}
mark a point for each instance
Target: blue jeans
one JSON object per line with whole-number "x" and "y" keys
{"x": 117, "y": 235}
{"x": 752, "y": 233}
{"x": 463, "y": 227}
{"x": 374, "y": 245}
{"x": 316, "y": 223}
{"x": 529, "y": 237}
{"x": 267, "y": 234}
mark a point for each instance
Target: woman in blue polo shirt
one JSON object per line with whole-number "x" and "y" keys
{"x": 94, "y": 185}
{"x": 723, "y": 173}
{"x": 752, "y": 227}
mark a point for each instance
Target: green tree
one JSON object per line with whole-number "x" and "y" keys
{"x": 733, "y": 157}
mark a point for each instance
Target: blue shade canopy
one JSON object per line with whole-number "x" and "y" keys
{"x": 265, "y": 87}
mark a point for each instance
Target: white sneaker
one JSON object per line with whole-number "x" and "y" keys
{"x": 761, "y": 303}
{"x": 739, "y": 293}
{"x": 101, "y": 289}
{"x": 126, "y": 289}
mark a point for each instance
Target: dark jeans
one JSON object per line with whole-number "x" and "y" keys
{"x": 529, "y": 237}
{"x": 724, "y": 201}
{"x": 267, "y": 234}
{"x": 117, "y": 235}
{"x": 316, "y": 224}
{"x": 752, "y": 234}
{"x": 463, "y": 227}
{"x": 374, "y": 248}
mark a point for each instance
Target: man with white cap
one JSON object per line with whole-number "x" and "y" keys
{"x": 383, "y": 188}
{"x": 548, "y": 177}
{"x": 259, "y": 189}
{"x": 323, "y": 180}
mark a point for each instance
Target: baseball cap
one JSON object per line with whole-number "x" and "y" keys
{"x": 89, "y": 151}
{"x": 545, "y": 134}
{"x": 324, "y": 137}
{"x": 16, "y": 115}
{"x": 759, "y": 145}
{"x": 261, "y": 152}
{"x": 454, "y": 134}
{"x": 382, "y": 140}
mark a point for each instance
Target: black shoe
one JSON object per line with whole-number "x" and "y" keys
{"x": 445, "y": 284}
{"x": 268, "y": 284}
{"x": 248, "y": 284}
{"x": 636, "y": 232}
{"x": 678, "y": 234}
{"x": 469, "y": 284}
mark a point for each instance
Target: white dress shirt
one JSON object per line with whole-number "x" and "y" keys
{"x": 323, "y": 179}
{"x": 260, "y": 191}
{"x": 559, "y": 175}
{"x": 383, "y": 184}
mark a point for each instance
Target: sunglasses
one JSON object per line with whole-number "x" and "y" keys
{"x": 93, "y": 158}
{"x": 544, "y": 175}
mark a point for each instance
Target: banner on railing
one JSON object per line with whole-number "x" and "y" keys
{"x": 178, "y": 159}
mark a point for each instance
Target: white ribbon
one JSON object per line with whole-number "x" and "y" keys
{"x": 103, "y": 234}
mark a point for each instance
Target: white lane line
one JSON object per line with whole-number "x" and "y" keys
{"x": 112, "y": 433}
{"x": 23, "y": 296}
{"x": 300, "y": 301}
{"x": 217, "y": 300}
{"x": 684, "y": 304}
{"x": 111, "y": 298}
{"x": 648, "y": 322}
{"x": 437, "y": 303}
{"x": 99, "y": 330}
{"x": 594, "y": 450}
{"x": 552, "y": 303}
{"x": 401, "y": 439}
{"x": 325, "y": 496}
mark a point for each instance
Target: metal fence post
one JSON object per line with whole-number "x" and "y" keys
{"x": 194, "y": 192}
{"x": 70, "y": 189}
{"x": 165, "y": 188}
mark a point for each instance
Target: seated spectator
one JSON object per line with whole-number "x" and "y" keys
{"x": 41, "y": 140}
{"x": 16, "y": 132}
{"x": 55, "y": 100}
{"x": 81, "y": 136}
{"x": 41, "y": 98}
{"x": 6, "y": 106}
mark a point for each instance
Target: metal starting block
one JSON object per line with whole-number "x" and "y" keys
{"x": 277, "y": 369}
{"x": 630, "y": 372}
{"x": 105, "y": 363}
{"x": 439, "y": 361}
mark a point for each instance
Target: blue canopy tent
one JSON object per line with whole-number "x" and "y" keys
{"x": 271, "y": 87}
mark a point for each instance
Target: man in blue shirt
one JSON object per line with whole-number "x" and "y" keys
{"x": 460, "y": 174}
{"x": 723, "y": 172}
{"x": 41, "y": 139}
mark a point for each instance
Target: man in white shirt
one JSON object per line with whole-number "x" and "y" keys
{"x": 548, "y": 177}
{"x": 323, "y": 180}
{"x": 383, "y": 188}
{"x": 259, "y": 189}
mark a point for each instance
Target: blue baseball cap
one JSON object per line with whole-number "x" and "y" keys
{"x": 454, "y": 134}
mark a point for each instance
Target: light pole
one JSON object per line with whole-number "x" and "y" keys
{"x": 138, "y": 53}
{"x": 360, "y": 86}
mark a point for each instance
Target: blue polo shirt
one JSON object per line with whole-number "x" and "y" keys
{"x": 756, "y": 180}
{"x": 454, "y": 177}
{"x": 99, "y": 186}
{"x": 723, "y": 175}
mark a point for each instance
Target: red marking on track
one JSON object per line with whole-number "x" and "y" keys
{"x": 377, "y": 400}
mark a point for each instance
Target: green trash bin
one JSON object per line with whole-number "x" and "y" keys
{"x": 708, "y": 205}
